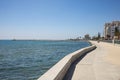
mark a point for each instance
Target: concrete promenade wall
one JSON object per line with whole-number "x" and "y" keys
{"x": 58, "y": 71}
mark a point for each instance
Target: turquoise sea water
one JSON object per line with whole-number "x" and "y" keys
{"x": 28, "y": 60}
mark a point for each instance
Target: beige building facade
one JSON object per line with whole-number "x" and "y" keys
{"x": 109, "y": 30}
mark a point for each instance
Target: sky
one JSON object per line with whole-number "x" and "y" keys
{"x": 55, "y": 19}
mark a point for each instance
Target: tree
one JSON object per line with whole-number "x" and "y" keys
{"x": 108, "y": 36}
{"x": 117, "y": 33}
{"x": 99, "y": 36}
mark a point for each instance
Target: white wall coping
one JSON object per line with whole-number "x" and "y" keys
{"x": 58, "y": 71}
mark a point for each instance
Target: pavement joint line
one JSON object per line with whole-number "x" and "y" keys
{"x": 85, "y": 64}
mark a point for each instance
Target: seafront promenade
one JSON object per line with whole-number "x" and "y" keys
{"x": 103, "y": 63}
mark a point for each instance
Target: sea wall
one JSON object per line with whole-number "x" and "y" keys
{"x": 58, "y": 71}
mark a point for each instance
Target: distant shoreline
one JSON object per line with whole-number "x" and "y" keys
{"x": 37, "y": 40}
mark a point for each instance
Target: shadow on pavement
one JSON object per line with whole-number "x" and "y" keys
{"x": 71, "y": 70}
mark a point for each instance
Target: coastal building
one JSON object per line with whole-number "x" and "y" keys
{"x": 109, "y": 30}
{"x": 87, "y": 37}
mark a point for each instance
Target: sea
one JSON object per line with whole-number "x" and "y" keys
{"x": 29, "y": 59}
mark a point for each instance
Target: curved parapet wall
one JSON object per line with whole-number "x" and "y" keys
{"x": 58, "y": 71}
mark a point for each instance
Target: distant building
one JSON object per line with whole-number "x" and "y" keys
{"x": 109, "y": 30}
{"x": 87, "y": 37}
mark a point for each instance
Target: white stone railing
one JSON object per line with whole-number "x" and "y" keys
{"x": 58, "y": 71}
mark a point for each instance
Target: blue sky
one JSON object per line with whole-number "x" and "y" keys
{"x": 55, "y": 19}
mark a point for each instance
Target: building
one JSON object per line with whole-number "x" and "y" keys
{"x": 109, "y": 30}
{"x": 87, "y": 37}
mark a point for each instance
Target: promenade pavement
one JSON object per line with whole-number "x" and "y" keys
{"x": 103, "y": 63}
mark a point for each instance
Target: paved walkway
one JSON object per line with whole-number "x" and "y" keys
{"x": 103, "y": 63}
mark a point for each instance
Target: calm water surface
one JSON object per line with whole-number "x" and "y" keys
{"x": 28, "y": 60}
